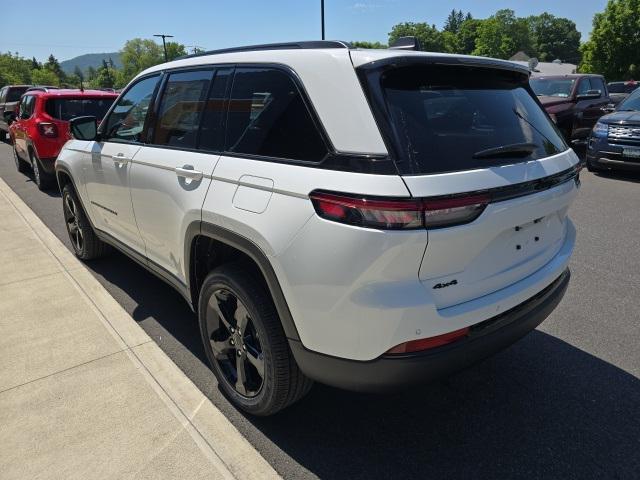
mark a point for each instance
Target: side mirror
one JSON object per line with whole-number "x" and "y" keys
{"x": 590, "y": 95}
{"x": 84, "y": 128}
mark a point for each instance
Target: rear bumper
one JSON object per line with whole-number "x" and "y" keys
{"x": 393, "y": 372}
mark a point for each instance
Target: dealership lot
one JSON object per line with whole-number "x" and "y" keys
{"x": 560, "y": 403}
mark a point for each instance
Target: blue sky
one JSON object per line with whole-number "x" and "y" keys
{"x": 69, "y": 28}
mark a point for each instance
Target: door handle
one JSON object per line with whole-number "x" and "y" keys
{"x": 121, "y": 159}
{"x": 188, "y": 172}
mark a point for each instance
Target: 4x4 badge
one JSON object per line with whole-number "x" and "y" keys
{"x": 448, "y": 284}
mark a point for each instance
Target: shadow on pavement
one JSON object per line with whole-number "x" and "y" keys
{"x": 542, "y": 409}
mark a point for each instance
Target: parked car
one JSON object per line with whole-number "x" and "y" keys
{"x": 9, "y": 97}
{"x": 618, "y": 91}
{"x": 397, "y": 223}
{"x": 615, "y": 140}
{"x": 41, "y": 127}
{"x": 574, "y": 102}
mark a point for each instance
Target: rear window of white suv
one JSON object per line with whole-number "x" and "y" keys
{"x": 451, "y": 118}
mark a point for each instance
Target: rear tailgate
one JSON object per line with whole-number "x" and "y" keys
{"x": 509, "y": 241}
{"x": 475, "y": 135}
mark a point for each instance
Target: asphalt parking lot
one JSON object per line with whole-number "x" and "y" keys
{"x": 561, "y": 403}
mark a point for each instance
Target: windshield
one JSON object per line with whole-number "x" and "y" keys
{"x": 552, "y": 87}
{"x": 632, "y": 102}
{"x": 450, "y": 118}
{"x": 68, "y": 108}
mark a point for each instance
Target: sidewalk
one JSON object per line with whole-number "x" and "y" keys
{"x": 84, "y": 392}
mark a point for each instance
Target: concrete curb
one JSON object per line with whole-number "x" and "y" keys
{"x": 227, "y": 450}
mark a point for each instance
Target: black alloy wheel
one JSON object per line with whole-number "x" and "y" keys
{"x": 74, "y": 229}
{"x": 235, "y": 343}
{"x": 245, "y": 343}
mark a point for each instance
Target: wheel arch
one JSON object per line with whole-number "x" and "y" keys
{"x": 208, "y": 245}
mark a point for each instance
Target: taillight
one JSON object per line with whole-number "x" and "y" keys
{"x": 427, "y": 343}
{"x": 48, "y": 129}
{"x": 398, "y": 214}
{"x": 365, "y": 212}
{"x": 448, "y": 212}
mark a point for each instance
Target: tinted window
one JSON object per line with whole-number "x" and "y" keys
{"x": 26, "y": 106}
{"x": 126, "y": 120}
{"x": 552, "y": 87}
{"x": 212, "y": 126}
{"x": 444, "y": 117}
{"x": 597, "y": 84}
{"x": 584, "y": 86}
{"x": 267, "y": 116}
{"x": 14, "y": 93}
{"x": 182, "y": 103}
{"x": 616, "y": 87}
{"x": 68, "y": 108}
{"x": 632, "y": 102}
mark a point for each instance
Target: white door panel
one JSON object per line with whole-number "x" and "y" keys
{"x": 168, "y": 188}
{"x": 107, "y": 183}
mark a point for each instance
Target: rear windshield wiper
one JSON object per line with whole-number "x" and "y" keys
{"x": 513, "y": 150}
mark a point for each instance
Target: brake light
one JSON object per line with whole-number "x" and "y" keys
{"x": 48, "y": 129}
{"x": 427, "y": 343}
{"x": 448, "y": 212}
{"x": 398, "y": 214}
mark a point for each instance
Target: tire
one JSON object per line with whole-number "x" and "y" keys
{"x": 231, "y": 297}
{"x": 43, "y": 180}
{"x": 86, "y": 244}
{"x": 21, "y": 165}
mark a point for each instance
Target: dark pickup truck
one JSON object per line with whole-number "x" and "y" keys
{"x": 575, "y": 102}
{"x": 9, "y": 97}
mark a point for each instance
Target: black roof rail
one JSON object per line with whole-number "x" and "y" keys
{"x": 308, "y": 45}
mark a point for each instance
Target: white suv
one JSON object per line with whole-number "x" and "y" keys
{"x": 367, "y": 219}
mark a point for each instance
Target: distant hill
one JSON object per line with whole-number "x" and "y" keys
{"x": 90, "y": 60}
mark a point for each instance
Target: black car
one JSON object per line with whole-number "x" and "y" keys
{"x": 9, "y": 97}
{"x": 618, "y": 91}
{"x": 615, "y": 140}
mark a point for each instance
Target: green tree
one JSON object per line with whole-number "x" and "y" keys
{"x": 454, "y": 21}
{"x": 430, "y": 37}
{"x": 44, "y": 76}
{"x": 53, "y": 66}
{"x": 105, "y": 77}
{"x": 614, "y": 47}
{"x": 14, "y": 69}
{"x": 139, "y": 54}
{"x": 35, "y": 64}
{"x": 467, "y": 35}
{"x": 502, "y": 35}
{"x": 360, "y": 44}
{"x": 174, "y": 50}
{"x": 554, "y": 37}
{"x": 91, "y": 73}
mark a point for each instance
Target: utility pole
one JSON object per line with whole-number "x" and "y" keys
{"x": 164, "y": 45}
{"x": 322, "y": 16}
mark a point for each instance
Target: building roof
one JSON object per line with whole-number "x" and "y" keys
{"x": 550, "y": 68}
{"x": 520, "y": 56}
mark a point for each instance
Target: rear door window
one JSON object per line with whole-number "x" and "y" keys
{"x": 268, "y": 117}
{"x": 181, "y": 106}
{"x": 26, "y": 107}
{"x": 14, "y": 93}
{"x": 68, "y": 108}
{"x": 447, "y": 119}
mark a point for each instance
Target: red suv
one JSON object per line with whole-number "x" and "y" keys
{"x": 42, "y": 126}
